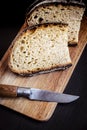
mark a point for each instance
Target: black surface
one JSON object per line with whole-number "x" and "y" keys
{"x": 71, "y": 116}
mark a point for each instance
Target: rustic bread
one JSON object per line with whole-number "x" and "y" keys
{"x": 40, "y": 49}
{"x": 65, "y": 11}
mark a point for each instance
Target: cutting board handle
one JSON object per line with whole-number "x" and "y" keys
{"x": 8, "y": 90}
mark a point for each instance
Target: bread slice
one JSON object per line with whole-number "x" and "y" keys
{"x": 40, "y": 49}
{"x": 65, "y": 11}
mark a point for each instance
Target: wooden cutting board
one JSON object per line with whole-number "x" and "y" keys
{"x": 55, "y": 81}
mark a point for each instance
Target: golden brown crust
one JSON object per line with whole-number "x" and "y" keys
{"x": 43, "y": 71}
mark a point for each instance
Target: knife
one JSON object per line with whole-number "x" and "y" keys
{"x": 35, "y": 94}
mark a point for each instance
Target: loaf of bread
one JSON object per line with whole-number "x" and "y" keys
{"x": 40, "y": 49}
{"x": 65, "y": 11}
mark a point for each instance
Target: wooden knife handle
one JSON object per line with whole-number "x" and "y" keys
{"x": 8, "y": 90}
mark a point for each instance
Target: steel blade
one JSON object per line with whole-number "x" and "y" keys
{"x": 44, "y": 95}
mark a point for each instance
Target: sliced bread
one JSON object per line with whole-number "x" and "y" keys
{"x": 40, "y": 49}
{"x": 65, "y": 11}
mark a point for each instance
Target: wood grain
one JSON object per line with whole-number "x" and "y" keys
{"x": 55, "y": 81}
{"x": 8, "y": 91}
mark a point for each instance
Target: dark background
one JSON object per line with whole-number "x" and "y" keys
{"x": 71, "y": 116}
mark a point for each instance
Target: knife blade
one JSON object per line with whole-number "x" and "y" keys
{"x": 35, "y": 94}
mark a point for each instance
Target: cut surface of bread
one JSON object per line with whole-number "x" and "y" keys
{"x": 58, "y": 11}
{"x": 40, "y": 49}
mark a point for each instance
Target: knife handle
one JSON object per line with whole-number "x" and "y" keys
{"x": 8, "y": 90}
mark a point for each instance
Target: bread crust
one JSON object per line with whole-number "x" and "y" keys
{"x": 39, "y": 3}
{"x": 43, "y": 71}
